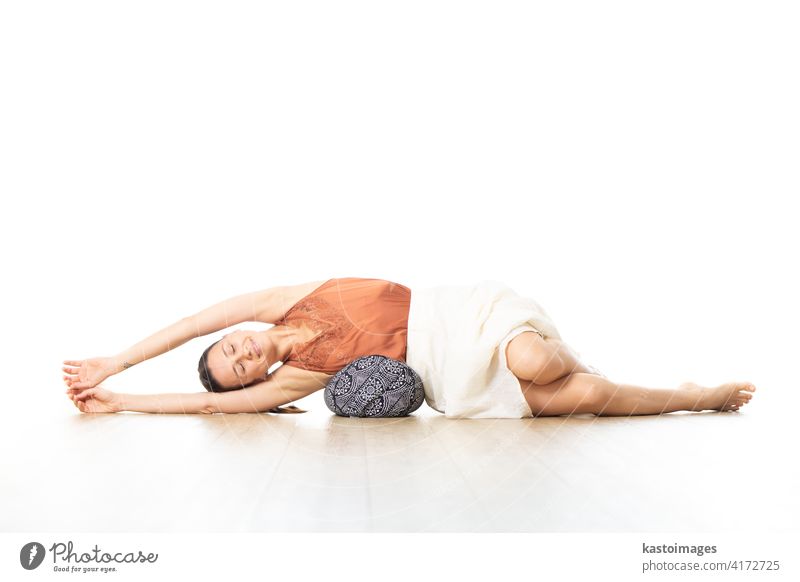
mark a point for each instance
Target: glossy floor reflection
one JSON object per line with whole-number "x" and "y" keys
{"x": 318, "y": 472}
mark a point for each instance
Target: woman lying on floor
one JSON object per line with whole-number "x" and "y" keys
{"x": 482, "y": 351}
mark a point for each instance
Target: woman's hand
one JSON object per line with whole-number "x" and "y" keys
{"x": 95, "y": 399}
{"x": 87, "y": 373}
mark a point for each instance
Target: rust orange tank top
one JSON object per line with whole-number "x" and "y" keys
{"x": 352, "y": 317}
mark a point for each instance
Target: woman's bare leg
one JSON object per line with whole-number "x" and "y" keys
{"x": 542, "y": 361}
{"x": 581, "y": 393}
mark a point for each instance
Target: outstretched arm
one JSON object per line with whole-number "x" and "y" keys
{"x": 90, "y": 372}
{"x": 285, "y": 385}
{"x": 247, "y": 307}
{"x": 99, "y": 399}
{"x": 160, "y": 342}
{"x": 232, "y": 311}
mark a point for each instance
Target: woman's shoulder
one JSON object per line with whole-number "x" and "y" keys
{"x": 285, "y": 300}
{"x": 282, "y": 299}
{"x": 291, "y": 294}
{"x": 361, "y": 282}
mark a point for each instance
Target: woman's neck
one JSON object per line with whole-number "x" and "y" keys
{"x": 282, "y": 340}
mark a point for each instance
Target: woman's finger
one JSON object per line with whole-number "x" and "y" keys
{"x": 86, "y": 394}
{"x": 71, "y": 369}
{"x": 73, "y": 362}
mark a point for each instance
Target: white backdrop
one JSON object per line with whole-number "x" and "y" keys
{"x": 629, "y": 165}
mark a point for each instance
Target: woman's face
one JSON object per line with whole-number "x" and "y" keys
{"x": 239, "y": 358}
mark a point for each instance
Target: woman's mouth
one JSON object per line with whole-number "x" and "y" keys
{"x": 256, "y": 348}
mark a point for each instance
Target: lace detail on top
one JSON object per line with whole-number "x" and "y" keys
{"x": 351, "y": 317}
{"x": 332, "y": 327}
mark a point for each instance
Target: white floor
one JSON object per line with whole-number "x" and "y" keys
{"x": 318, "y": 472}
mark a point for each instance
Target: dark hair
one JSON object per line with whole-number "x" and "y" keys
{"x": 210, "y": 383}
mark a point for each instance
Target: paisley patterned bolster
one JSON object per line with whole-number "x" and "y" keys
{"x": 374, "y": 386}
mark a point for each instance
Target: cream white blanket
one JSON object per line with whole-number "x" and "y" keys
{"x": 453, "y": 335}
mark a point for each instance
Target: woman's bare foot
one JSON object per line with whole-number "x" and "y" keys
{"x": 726, "y": 397}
